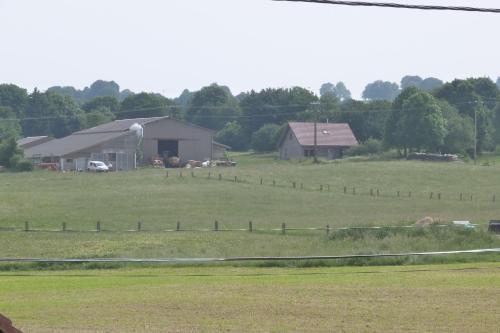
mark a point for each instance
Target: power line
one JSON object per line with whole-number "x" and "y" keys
{"x": 400, "y": 6}
{"x": 249, "y": 116}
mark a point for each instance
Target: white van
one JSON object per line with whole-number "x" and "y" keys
{"x": 97, "y": 166}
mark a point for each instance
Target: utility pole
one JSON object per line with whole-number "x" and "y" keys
{"x": 475, "y": 134}
{"x": 315, "y": 106}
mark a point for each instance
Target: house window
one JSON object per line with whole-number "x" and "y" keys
{"x": 69, "y": 160}
{"x": 308, "y": 152}
{"x": 112, "y": 157}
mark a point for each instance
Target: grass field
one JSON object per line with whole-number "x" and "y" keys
{"x": 438, "y": 298}
{"x": 119, "y": 200}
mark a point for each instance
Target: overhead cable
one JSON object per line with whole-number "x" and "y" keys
{"x": 400, "y": 6}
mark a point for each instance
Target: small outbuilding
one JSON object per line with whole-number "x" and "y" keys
{"x": 297, "y": 141}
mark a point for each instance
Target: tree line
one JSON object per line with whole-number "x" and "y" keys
{"x": 419, "y": 114}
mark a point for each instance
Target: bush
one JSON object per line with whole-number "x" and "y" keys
{"x": 233, "y": 135}
{"x": 24, "y": 165}
{"x": 265, "y": 139}
{"x": 371, "y": 146}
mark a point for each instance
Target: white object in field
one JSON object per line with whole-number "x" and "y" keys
{"x": 461, "y": 222}
{"x": 97, "y": 166}
{"x": 205, "y": 164}
{"x": 138, "y": 129}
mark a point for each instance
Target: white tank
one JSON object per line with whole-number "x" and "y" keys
{"x": 138, "y": 129}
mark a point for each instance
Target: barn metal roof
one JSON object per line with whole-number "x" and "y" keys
{"x": 71, "y": 144}
{"x": 32, "y": 140}
{"x": 119, "y": 125}
{"x": 328, "y": 134}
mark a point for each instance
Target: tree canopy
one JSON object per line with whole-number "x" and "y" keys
{"x": 381, "y": 90}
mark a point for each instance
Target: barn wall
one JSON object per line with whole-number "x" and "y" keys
{"x": 195, "y": 143}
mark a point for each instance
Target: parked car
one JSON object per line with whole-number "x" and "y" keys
{"x": 97, "y": 166}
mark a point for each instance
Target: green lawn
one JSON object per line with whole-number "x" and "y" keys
{"x": 438, "y": 298}
{"x": 120, "y": 200}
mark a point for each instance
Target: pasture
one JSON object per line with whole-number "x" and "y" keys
{"x": 438, "y": 298}
{"x": 119, "y": 200}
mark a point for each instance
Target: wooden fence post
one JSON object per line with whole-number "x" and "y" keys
{"x": 250, "y": 226}
{"x": 220, "y": 176}
{"x": 180, "y": 174}
{"x": 321, "y": 188}
{"x": 283, "y": 228}
{"x": 235, "y": 179}
{"x": 409, "y": 194}
{"x": 192, "y": 174}
{"x": 378, "y": 192}
{"x": 178, "y": 228}
{"x": 139, "y": 226}
{"x": 345, "y": 189}
{"x": 432, "y": 194}
{"x": 274, "y": 182}
{"x": 439, "y": 196}
{"x": 98, "y": 226}
{"x": 398, "y": 194}
{"x": 294, "y": 185}
{"x": 216, "y": 225}
{"x": 26, "y": 226}
{"x": 328, "y": 230}
{"x": 261, "y": 181}
{"x": 353, "y": 191}
{"x": 64, "y": 226}
{"x": 209, "y": 175}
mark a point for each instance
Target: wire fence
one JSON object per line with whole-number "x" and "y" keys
{"x": 352, "y": 190}
{"x": 243, "y": 259}
{"x": 216, "y": 227}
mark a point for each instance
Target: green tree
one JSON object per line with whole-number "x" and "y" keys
{"x": 110, "y": 103}
{"x": 416, "y": 122}
{"x": 266, "y": 138}
{"x": 233, "y": 135}
{"x": 339, "y": 90}
{"x": 430, "y": 84}
{"x": 10, "y": 153}
{"x": 146, "y": 105}
{"x": 9, "y": 125}
{"x": 498, "y": 82}
{"x": 213, "y": 107}
{"x": 381, "y": 90}
{"x": 14, "y": 97}
{"x": 366, "y": 119}
{"x": 459, "y": 137}
{"x": 411, "y": 81}
{"x": 275, "y": 106}
{"x": 52, "y": 114}
{"x": 98, "y": 116}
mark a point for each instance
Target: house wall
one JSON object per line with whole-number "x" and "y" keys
{"x": 290, "y": 147}
{"x": 195, "y": 143}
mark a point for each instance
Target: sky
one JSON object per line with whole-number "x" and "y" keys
{"x": 165, "y": 46}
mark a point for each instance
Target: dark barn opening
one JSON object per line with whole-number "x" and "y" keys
{"x": 168, "y": 148}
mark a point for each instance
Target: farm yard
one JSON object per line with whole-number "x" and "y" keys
{"x": 449, "y": 293}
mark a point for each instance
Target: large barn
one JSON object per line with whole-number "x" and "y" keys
{"x": 118, "y": 143}
{"x": 297, "y": 142}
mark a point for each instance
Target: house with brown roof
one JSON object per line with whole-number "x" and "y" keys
{"x": 123, "y": 143}
{"x": 297, "y": 142}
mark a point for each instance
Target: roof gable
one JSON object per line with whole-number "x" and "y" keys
{"x": 328, "y": 134}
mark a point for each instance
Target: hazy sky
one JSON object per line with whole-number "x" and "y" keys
{"x": 167, "y": 45}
